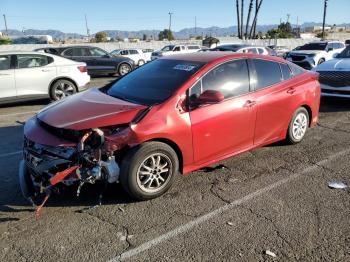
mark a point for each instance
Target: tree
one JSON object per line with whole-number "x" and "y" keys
{"x": 238, "y": 20}
{"x": 248, "y": 18}
{"x": 5, "y": 41}
{"x": 101, "y": 37}
{"x": 166, "y": 34}
{"x": 284, "y": 30}
{"x": 240, "y": 16}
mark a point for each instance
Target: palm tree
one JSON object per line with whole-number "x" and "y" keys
{"x": 254, "y": 24}
{"x": 248, "y": 18}
{"x": 238, "y": 20}
{"x": 242, "y": 9}
{"x": 255, "y": 18}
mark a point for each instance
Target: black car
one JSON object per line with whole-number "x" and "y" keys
{"x": 98, "y": 61}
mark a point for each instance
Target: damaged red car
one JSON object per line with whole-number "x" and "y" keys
{"x": 173, "y": 115}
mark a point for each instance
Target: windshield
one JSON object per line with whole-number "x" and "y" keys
{"x": 313, "y": 46}
{"x": 154, "y": 82}
{"x": 116, "y": 52}
{"x": 345, "y": 53}
{"x": 168, "y": 48}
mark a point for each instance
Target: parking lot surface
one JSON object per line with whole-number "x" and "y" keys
{"x": 274, "y": 198}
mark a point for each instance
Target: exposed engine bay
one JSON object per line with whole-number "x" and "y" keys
{"x": 90, "y": 160}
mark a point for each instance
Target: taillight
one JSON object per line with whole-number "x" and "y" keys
{"x": 82, "y": 69}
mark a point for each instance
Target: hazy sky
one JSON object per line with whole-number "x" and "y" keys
{"x": 68, "y": 15}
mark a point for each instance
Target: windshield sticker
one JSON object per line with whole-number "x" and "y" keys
{"x": 185, "y": 67}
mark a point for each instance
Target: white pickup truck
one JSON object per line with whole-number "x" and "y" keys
{"x": 175, "y": 49}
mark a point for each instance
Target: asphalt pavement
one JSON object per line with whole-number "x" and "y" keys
{"x": 275, "y": 199}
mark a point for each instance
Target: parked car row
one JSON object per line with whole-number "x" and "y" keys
{"x": 139, "y": 56}
{"x": 98, "y": 61}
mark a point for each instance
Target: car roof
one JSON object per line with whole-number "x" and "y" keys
{"x": 19, "y": 52}
{"x": 213, "y": 56}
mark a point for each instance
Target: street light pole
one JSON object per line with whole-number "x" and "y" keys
{"x": 324, "y": 17}
{"x": 5, "y": 24}
{"x": 170, "y": 14}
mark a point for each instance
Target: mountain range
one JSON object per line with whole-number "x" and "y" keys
{"x": 182, "y": 34}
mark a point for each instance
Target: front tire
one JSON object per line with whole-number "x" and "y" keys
{"x": 61, "y": 89}
{"x": 124, "y": 69}
{"x": 148, "y": 170}
{"x": 298, "y": 126}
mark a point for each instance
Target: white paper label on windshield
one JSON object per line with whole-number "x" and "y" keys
{"x": 185, "y": 67}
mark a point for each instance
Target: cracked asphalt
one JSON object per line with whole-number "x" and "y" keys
{"x": 274, "y": 198}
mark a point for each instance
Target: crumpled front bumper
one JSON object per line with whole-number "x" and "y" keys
{"x": 25, "y": 181}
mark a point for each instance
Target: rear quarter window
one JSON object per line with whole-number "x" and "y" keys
{"x": 296, "y": 70}
{"x": 286, "y": 73}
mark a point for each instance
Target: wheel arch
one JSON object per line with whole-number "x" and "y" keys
{"x": 309, "y": 111}
{"x": 174, "y": 146}
{"x": 62, "y": 78}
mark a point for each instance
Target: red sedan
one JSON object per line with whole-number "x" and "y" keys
{"x": 173, "y": 115}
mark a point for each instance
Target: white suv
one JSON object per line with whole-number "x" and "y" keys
{"x": 175, "y": 49}
{"x": 312, "y": 54}
{"x": 137, "y": 55}
{"x": 28, "y": 75}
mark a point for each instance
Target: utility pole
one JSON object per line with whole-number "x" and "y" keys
{"x": 5, "y": 24}
{"x": 195, "y": 25}
{"x": 288, "y": 16}
{"x": 324, "y": 17}
{"x": 170, "y": 14}
{"x": 87, "y": 28}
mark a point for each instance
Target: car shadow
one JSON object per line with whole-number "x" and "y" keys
{"x": 334, "y": 104}
{"x": 36, "y": 102}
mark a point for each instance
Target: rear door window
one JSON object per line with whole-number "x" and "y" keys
{"x": 296, "y": 70}
{"x": 31, "y": 61}
{"x": 267, "y": 73}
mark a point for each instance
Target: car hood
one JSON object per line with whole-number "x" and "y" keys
{"x": 305, "y": 52}
{"x": 90, "y": 109}
{"x": 341, "y": 64}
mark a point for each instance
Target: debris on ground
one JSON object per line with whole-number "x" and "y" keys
{"x": 121, "y": 209}
{"x": 270, "y": 253}
{"x": 230, "y": 223}
{"x": 337, "y": 185}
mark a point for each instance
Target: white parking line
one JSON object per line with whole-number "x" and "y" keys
{"x": 190, "y": 225}
{"x": 11, "y": 154}
{"x": 17, "y": 114}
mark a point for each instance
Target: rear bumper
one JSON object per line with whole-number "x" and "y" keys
{"x": 83, "y": 82}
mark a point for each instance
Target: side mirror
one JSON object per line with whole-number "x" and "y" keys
{"x": 335, "y": 55}
{"x": 210, "y": 97}
{"x": 106, "y": 56}
{"x": 330, "y": 49}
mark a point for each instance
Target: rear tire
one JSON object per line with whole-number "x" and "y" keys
{"x": 321, "y": 61}
{"x": 141, "y": 62}
{"x": 148, "y": 170}
{"x": 62, "y": 88}
{"x": 298, "y": 126}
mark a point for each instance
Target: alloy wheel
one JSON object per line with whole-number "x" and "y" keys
{"x": 154, "y": 173}
{"x": 299, "y": 126}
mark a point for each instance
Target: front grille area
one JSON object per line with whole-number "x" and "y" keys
{"x": 67, "y": 134}
{"x": 297, "y": 57}
{"x": 335, "y": 78}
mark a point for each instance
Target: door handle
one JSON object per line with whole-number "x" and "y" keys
{"x": 46, "y": 70}
{"x": 5, "y": 74}
{"x": 249, "y": 103}
{"x": 291, "y": 91}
